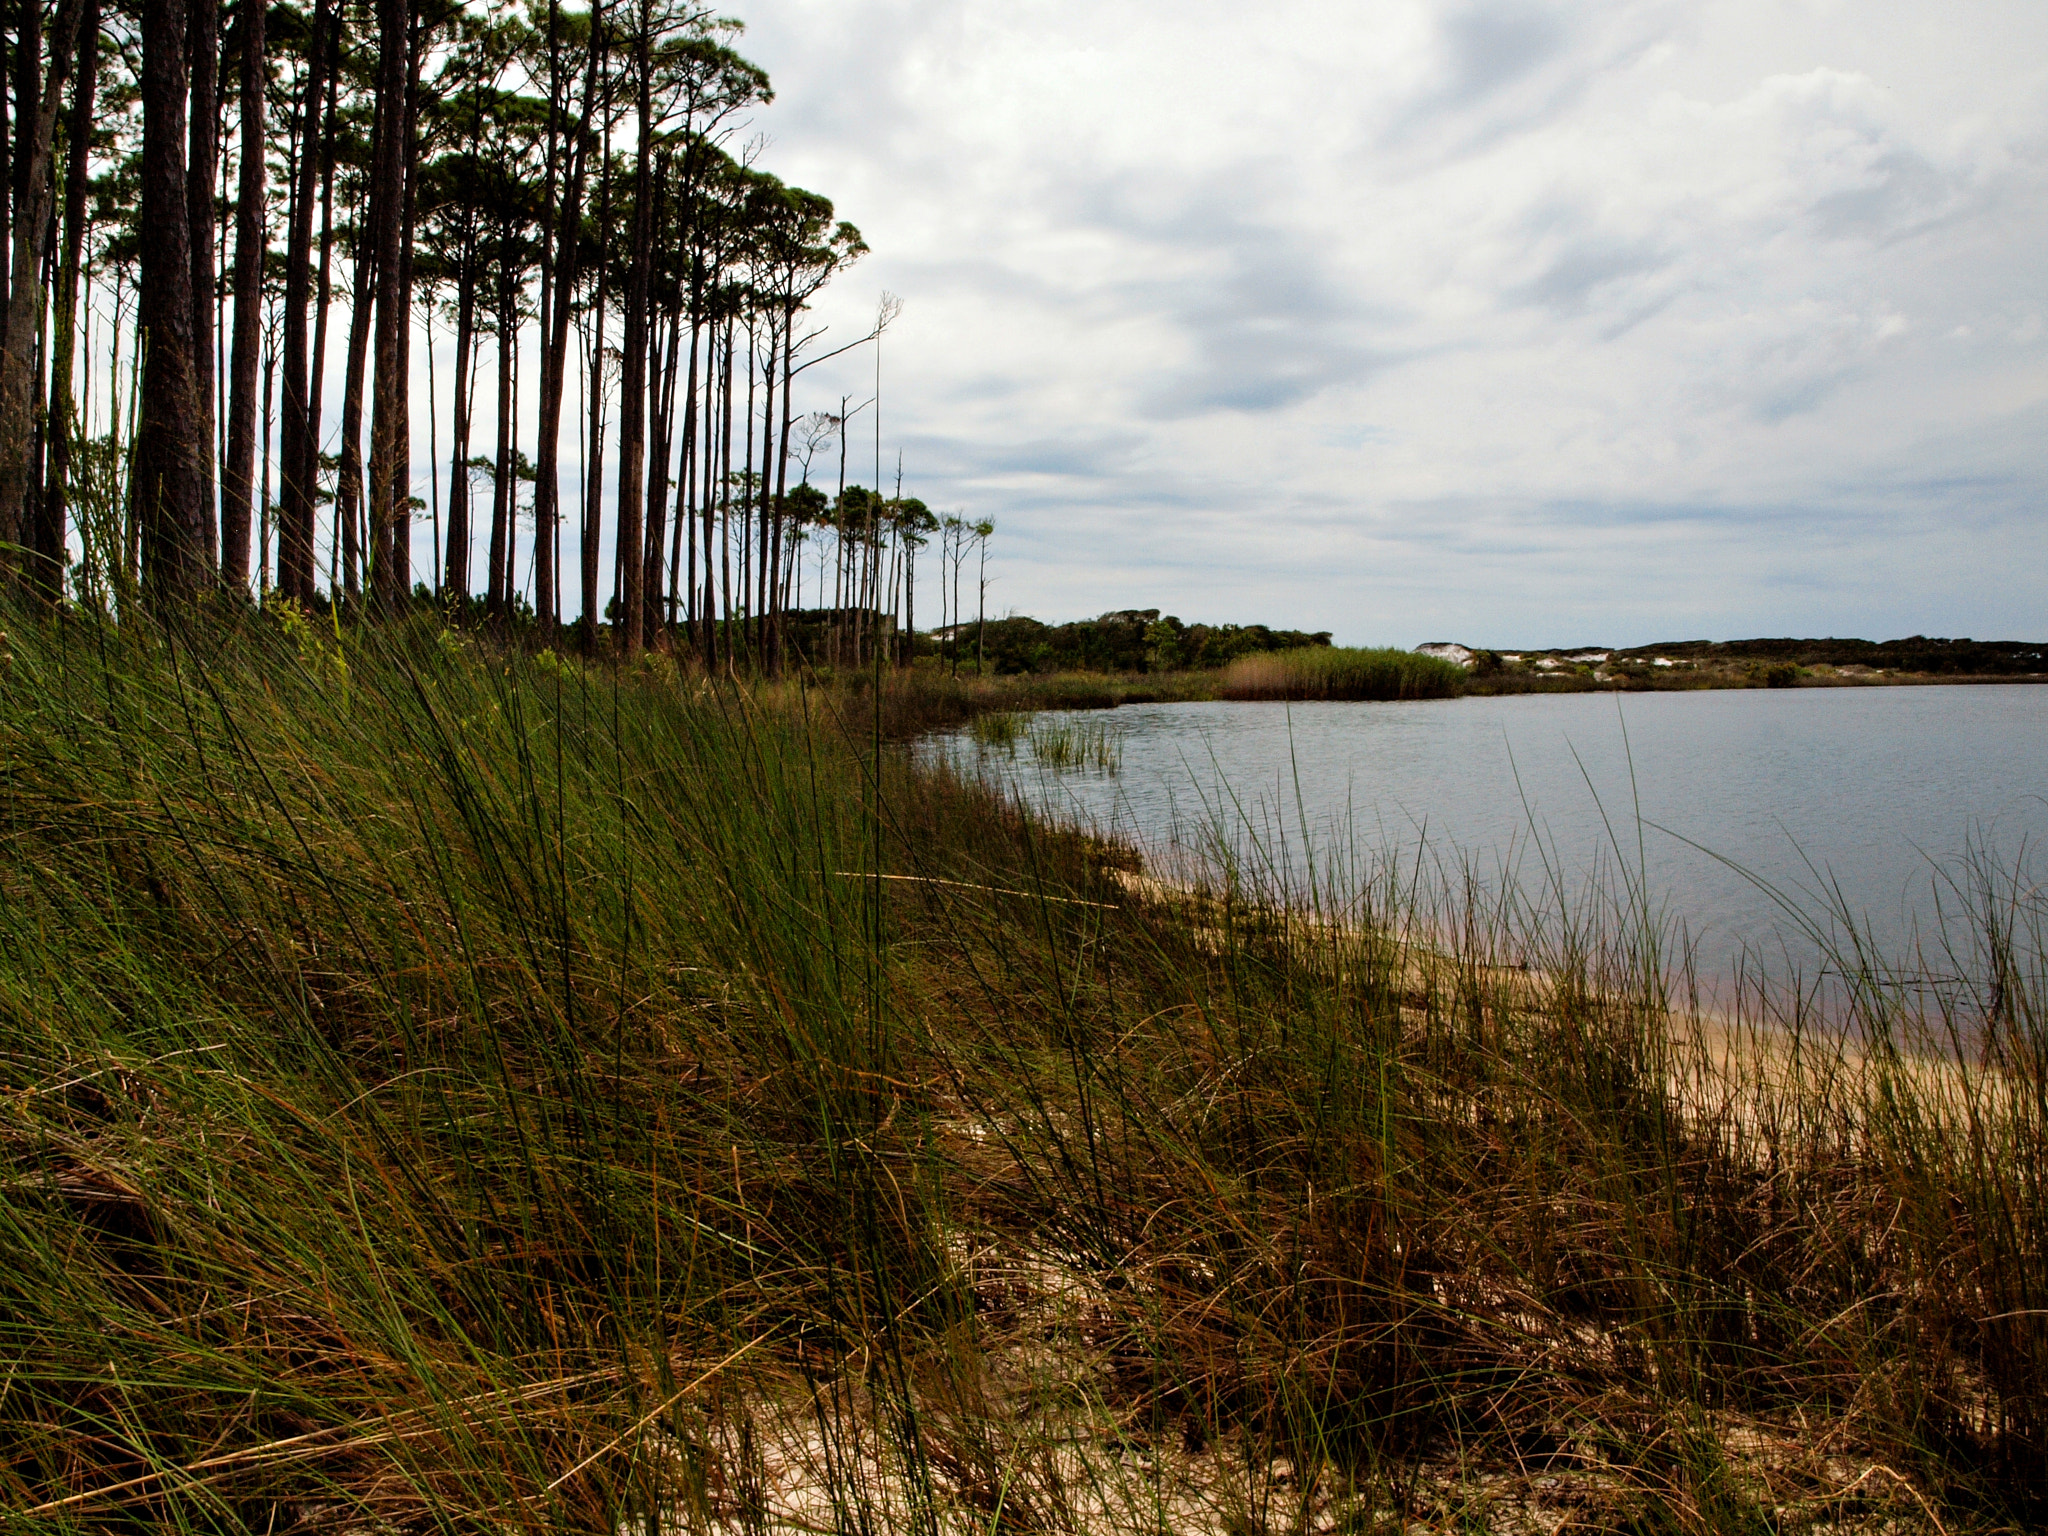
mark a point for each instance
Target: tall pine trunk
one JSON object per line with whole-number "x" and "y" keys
{"x": 548, "y": 603}
{"x": 27, "y": 61}
{"x": 323, "y": 295}
{"x": 400, "y": 469}
{"x": 202, "y": 42}
{"x": 775, "y": 638}
{"x": 39, "y": 100}
{"x": 498, "y": 599}
{"x": 166, "y": 482}
{"x": 725, "y": 486}
{"x": 348, "y": 509}
{"x": 251, "y": 240}
{"x": 633, "y": 374}
{"x": 764, "y": 584}
{"x": 594, "y": 403}
{"x": 386, "y": 233}
{"x": 554, "y": 374}
{"x": 51, "y": 513}
{"x": 298, "y": 447}
{"x": 659, "y": 615}
{"x": 30, "y": 12}
{"x": 593, "y": 488}
{"x": 457, "y": 580}
{"x": 683, "y": 532}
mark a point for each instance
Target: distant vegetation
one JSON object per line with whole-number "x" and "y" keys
{"x": 1329, "y": 672}
{"x": 1916, "y": 653}
{"x": 1759, "y": 663}
{"x": 1128, "y": 640}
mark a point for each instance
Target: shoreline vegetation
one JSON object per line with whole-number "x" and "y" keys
{"x": 1136, "y": 656}
{"x": 928, "y": 696}
{"x": 443, "y": 1086}
{"x": 487, "y": 1045}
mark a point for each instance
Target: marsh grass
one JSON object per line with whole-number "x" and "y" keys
{"x": 1341, "y": 672}
{"x": 1000, "y": 728}
{"x": 448, "y": 1090}
{"x": 1069, "y": 745}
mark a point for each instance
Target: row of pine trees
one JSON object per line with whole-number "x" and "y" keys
{"x": 199, "y": 198}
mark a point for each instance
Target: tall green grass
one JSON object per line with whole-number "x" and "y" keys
{"x": 447, "y": 1090}
{"x": 1341, "y": 672}
{"x": 1069, "y": 745}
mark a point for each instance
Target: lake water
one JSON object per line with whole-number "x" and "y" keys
{"x": 1864, "y": 800}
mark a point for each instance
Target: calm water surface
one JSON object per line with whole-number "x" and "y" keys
{"x": 1867, "y": 799}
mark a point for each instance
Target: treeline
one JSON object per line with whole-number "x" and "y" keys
{"x": 202, "y": 202}
{"x": 1128, "y": 640}
{"x": 1915, "y": 653}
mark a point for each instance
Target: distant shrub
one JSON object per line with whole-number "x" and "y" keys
{"x": 1333, "y": 672}
{"x": 1128, "y": 640}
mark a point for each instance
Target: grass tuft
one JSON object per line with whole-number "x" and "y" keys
{"x": 1066, "y": 745}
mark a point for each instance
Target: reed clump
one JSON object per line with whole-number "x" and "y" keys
{"x": 1066, "y": 745}
{"x": 1339, "y": 673}
{"x": 999, "y": 728}
{"x": 448, "y": 1090}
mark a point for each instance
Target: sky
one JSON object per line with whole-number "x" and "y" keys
{"x": 1513, "y": 323}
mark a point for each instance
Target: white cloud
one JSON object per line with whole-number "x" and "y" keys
{"x": 1508, "y": 321}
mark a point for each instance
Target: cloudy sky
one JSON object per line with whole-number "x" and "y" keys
{"x": 1534, "y": 323}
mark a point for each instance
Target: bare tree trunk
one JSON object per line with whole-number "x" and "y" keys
{"x": 782, "y": 478}
{"x": 684, "y": 531}
{"x": 202, "y": 42}
{"x": 708, "y": 486}
{"x": 547, "y": 546}
{"x": 594, "y": 474}
{"x": 909, "y": 642}
{"x": 50, "y": 538}
{"x": 725, "y": 490}
{"x": 349, "y": 477}
{"x": 323, "y": 295}
{"x": 251, "y": 240}
{"x": 264, "y": 502}
{"x": 6, "y": 159}
{"x": 547, "y": 497}
{"x": 633, "y": 375}
{"x": 20, "y": 154}
{"x": 657, "y": 473}
{"x": 839, "y": 544}
{"x": 37, "y": 126}
{"x": 386, "y": 232}
{"x": 298, "y": 448}
{"x": 458, "y": 464}
{"x": 165, "y": 482}
{"x": 498, "y": 598}
{"x": 593, "y": 483}
{"x": 747, "y": 487}
{"x": 765, "y": 586}
{"x": 401, "y": 447}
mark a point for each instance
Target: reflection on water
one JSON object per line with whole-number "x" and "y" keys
{"x": 1864, "y": 801}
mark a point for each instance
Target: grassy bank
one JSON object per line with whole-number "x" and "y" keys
{"x": 1341, "y": 672}
{"x": 453, "y": 1091}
